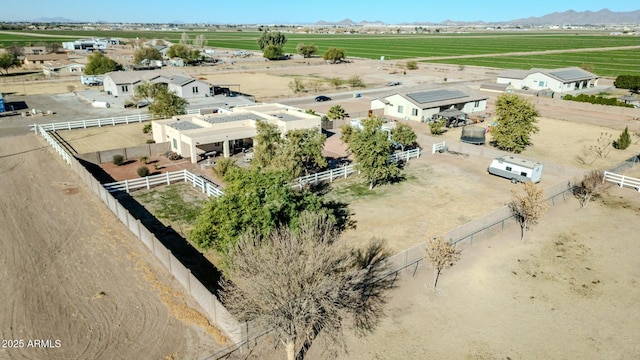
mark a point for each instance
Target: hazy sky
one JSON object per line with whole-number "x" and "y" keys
{"x": 297, "y": 11}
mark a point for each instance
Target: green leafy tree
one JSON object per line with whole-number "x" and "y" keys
{"x": 516, "y": 118}
{"x": 7, "y": 61}
{"x": 306, "y": 51}
{"x": 253, "y": 199}
{"x": 100, "y": 64}
{"x": 167, "y": 104}
{"x": 300, "y": 152}
{"x": 371, "y": 148}
{"x": 631, "y": 82}
{"x": 336, "y": 112}
{"x": 275, "y": 38}
{"x": 182, "y": 51}
{"x": 624, "y": 140}
{"x": 148, "y": 91}
{"x": 301, "y": 284}
{"x": 334, "y": 55}
{"x": 403, "y": 135}
{"x": 273, "y": 52}
{"x": 146, "y": 53}
{"x": 266, "y": 144}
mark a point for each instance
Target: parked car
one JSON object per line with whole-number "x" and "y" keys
{"x": 322, "y": 98}
{"x": 394, "y": 83}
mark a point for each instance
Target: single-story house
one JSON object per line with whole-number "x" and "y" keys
{"x": 62, "y": 68}
{"x": 188, "y": 87}
{"x": 123, "y": 83}
{"x": 560, "y": 80}
{"x": 34, "y": 50}
{"x": 423, "y": 105}
{"x": 193, "y": 136}
{"x": 36, "y": 61}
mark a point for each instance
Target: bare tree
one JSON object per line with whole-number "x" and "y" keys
{"x": 442, "y": 255}
{"x": 301, "y": 284}
{"x": 590, "y": 187}
{"x": 529, "y": 207}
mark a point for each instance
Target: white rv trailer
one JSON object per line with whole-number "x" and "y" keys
{"x": 516, "y": 169}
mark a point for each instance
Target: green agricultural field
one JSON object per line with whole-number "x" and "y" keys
{"x": 404, "y": 46}
{"x": 605, "y": 63}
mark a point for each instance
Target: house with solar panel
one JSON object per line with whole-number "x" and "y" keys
{"x": 562, "y": 80}
{"x": 426, "y": 105}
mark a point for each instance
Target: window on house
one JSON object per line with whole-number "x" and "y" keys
{"x": 125, "y": 88}
{"x": 476, "y": 104}
{"x": 523, "y": 173}
{"x": 194, "y": 89}
{"x": 175, "y": 143}
{"x": 414, "y": 112}
{"x": 400, "y": 109}
{"x": 541, "y": 83}
{"x": 508, "y": 167}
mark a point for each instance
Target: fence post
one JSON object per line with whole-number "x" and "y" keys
{"x": 126, "y": 185}
{"x": 168, "y": 182}
{"x": 147, "y": 180}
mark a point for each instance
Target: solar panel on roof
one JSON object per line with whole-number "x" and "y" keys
{"x": 436, "y": 95}
{"x": 571, "y": 74}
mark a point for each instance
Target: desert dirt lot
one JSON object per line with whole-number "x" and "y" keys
{"x": 490, "y": 305}
{"x": 71, "y": 272}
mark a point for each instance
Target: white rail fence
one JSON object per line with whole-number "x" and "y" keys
{"x": 83, "y": 124}
{"x": 437, "y": 147}
{"x": 54, "y": 144}
{"x": 212, "y": 189}
{"x": 168, "y": 178}
{"x": 622, "y": 180}
{"x": 345, "y": 171}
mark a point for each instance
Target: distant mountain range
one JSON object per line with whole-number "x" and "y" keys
{"x": 570, "y": 17}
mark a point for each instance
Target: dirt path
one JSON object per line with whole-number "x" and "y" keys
{"x": 72, "y": 274}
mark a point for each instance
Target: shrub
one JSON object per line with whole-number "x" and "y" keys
{"x": 151, "y": 141}
{"x": 143, "y": 171}
{"x": 623, "y": 141}
{"x": 146, "y": 128}
{"x": 118, "y": 159}
{"x": 173, "y": 156}
{"x": 412, "y": 65}
{"x": 355, "y": 81}
{"x": 144, "y": 159}
{"x": 436, "y": 127}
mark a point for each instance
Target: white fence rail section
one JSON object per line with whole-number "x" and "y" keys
{"x": 83, "y": 124}
{"x": 345, "y": 171}
{"x": 54, "y": 144}
{"x": 437, "y": 147}
{"x": 622, "y": 180}
{"x": 168, "y": 178}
